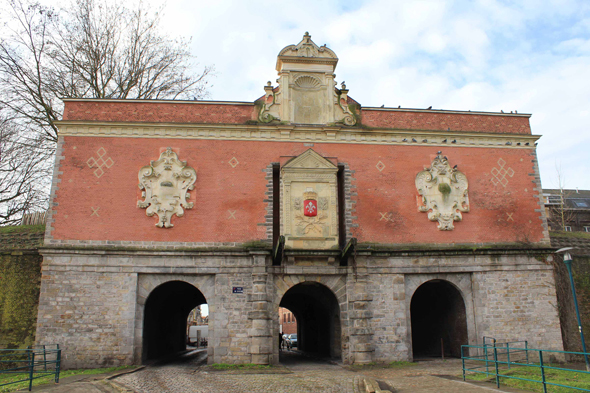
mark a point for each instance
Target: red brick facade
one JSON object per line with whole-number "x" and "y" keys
{"x": 158, "y": 112}
{"x": 287, "y": 321}
{"x": 229, "y": 193}
{"x": 440, "y": 120}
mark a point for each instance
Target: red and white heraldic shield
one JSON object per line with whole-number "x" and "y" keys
{"x": 310, "y": 207}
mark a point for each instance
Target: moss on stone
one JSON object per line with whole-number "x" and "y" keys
{"x": 448, "y": 247}
{"x": 256, "y": 245}
{"x": 20, "y": 277}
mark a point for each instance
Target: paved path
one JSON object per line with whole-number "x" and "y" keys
{"x": 297, "y": 374}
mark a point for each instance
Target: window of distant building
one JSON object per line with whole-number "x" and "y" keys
{"x": 284, "y": 318}
{"x": 586, "y": 229}
{"x": 567, "y": 229}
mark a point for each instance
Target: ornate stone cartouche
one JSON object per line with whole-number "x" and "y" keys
{"x": 444, "y": 192}
{"x": 165, "y": 184}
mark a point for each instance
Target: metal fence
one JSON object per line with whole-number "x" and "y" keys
{"x": 515, "y": 360}
{"x": 26, "y": 365}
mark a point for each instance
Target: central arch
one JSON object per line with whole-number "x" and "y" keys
{"x": 438, "y": 317}
{"x": 318, "y": 318}
{"x": 164, "y": 323}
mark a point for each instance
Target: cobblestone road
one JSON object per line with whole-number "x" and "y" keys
{"x": 298, "y": 374}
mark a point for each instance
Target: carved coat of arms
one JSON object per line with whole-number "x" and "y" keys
{"x": 444, "y": 192}
{"x": 312, "y": 219}
{"x": 165, "y": 184}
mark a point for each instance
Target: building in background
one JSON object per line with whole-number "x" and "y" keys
{"x": 287, "y": 321}
{"x": 567, "y": 210}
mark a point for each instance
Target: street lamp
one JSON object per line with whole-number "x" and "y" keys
{"x": 567, "y": 260}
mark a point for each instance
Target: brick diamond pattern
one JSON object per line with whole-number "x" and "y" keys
{"x": 233, "y": 162}
{"x": 500, "y": 175}
{"x": 380, "y": 166}
{"x": 100, "y": 162}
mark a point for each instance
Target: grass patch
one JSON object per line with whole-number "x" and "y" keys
{"x": 562, "y": 377}
{"x": 577, "y": 235}
{"x": 246, "y": 366}
{"x": 22, "y": 228}
{"x": 5, "y": 378}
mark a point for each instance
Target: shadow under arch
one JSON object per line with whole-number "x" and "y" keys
{"x": 438, "y": 320}
{"x": 318, "y": 318}
{"x": 164, "y": 321}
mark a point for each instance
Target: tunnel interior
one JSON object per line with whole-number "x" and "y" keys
{"x": 438, "y": 320}
{"x": 165, "y": 314}
{"x": 318, "y": 318}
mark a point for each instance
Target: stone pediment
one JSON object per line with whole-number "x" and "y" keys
{"x": 306, "y": 49}
{"x": 310, "y": 160}
{"x": 307, "y": 92}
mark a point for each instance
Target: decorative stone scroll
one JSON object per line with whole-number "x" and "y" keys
{"x": 264, "y": 115}
{"x": 349, "y": 119}
{"x": 309, "y": 205}
{"x": 444, "y": 192}
{"x": 165, "y": 184}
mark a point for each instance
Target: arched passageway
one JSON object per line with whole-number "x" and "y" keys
{"x": 438, "y": 313}
{"x": 164, "y": 322}
{"x": 318, "y": 318}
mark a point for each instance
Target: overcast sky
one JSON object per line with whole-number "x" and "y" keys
{"x": 531, "y": 56}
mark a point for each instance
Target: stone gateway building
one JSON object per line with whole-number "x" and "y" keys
{"x": 386, "y": 231}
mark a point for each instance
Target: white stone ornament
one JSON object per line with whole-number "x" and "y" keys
{"x": 165, "y": 184}
{"x": 307, "y": 92}
{"x": 444, "y": 193}
{"x": 309, "y": 218}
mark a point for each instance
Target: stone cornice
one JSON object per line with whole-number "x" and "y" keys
{"x": 297, "y": 133}
{"x": 458, "y": 251}
{"x": 155, "y": 251}
{"x": 166, "y": 249}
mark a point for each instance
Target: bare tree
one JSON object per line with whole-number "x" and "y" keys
{"x": 24, "y": 173}
{"x": 560, "y": 213}
{"x": 108, "y": 51}
{"x": 91, "y": 49}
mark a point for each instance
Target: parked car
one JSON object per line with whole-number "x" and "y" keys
{"x": 291, "y": 341}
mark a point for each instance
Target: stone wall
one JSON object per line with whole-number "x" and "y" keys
{"x": 90, "y": 314}
{"x": 518, "y": 305}
{"x": 93, "y": 303}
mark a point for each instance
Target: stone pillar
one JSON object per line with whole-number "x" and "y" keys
{"x": 359, "y": 315}
{"x": 261, "y": 344}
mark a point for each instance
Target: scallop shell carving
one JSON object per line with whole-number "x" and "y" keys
{"x": 307, "y": 82}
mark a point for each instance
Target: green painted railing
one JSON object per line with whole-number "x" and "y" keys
{"x": 29, "y": 364}
{"x": 495, "y": 359}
